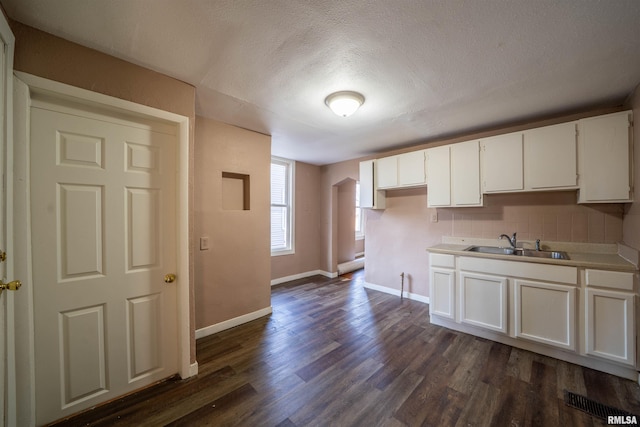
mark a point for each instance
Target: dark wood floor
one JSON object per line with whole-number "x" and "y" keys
{"x": 336, "y": 354}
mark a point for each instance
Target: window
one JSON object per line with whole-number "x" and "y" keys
{"x": 359, "y": 215}
{"x": 282, "y": 172}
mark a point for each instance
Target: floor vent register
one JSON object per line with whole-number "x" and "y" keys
{"x": 592, "y": 407}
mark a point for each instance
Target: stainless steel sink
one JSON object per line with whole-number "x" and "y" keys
{"x": 542, "y": 254}
{"x": 518, "y": 252}
{"x": 491, "y": 250}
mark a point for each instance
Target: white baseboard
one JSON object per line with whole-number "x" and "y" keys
{"x": 303, "y": 275}
{"x": 396, "y": 292}
{"x": 228, "y": 324}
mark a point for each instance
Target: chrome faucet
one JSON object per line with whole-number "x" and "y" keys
{"x": 512, "y": 239}
{"x": 537, "y": 244}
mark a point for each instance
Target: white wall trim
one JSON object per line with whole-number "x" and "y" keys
{"x": 8, "y": 394}
{"x": 303, "y": 275}
{"x": 291, "y": 249}
{"x": 396, "y": 292}
{"x": 228, "y": 324}
{"x": 193, "y": 369}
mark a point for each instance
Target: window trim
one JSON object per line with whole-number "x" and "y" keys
{"x": 291, "y": 169}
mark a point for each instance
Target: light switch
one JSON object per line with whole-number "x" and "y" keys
{"x": 204, "y": 243}
{"x": 434, "y": 216}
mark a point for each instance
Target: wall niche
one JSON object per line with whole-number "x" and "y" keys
{"x": 235, "y": 191}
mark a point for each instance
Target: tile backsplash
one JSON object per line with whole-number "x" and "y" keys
{"x": 549, "y": 216}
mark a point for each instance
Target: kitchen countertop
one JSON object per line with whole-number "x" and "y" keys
{"x": 580, "y": 255}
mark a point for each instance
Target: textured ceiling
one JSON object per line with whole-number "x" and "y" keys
{"x": 427, "y": 69}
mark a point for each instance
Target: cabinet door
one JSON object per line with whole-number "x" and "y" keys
{"x": 604, "y": 158}
{"x": 442, "y": 290}
{"x": 545, "y": 312}
{"x": 465, "y": 174}
{"x": 366, "y": 184}
{"x": 438, "y": 177}
{"x": 412, "y": 169}
{"x": 483, "y": 301}
{"x": 370, "y": 197}
{"x": 502, "y": 163}
{"x": 610, "y": 328}
{"x": 550, "y": 157}
{"x": 387, "y": 168}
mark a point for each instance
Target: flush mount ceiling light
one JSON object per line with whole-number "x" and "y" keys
{"x": 344, "y": 103}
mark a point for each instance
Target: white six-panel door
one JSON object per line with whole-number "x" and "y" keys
{"x": 103, "y": 208}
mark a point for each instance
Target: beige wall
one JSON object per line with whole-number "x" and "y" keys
{"x": 48, "y": 56}
{"x": 631, "y": 225}
{"x": 307, "y": 226}
{"x": 397, "y": 239}
{"x": 45, "y": 55}
{"x": 232, "y": 278}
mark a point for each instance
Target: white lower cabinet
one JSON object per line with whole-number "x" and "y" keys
{"x": 581, "y": 315}
{"x": 442, "y": 299}
{"x": 545, "y": 313}
{"x": 483, "y": 301}
{"x": 609, "y": 325}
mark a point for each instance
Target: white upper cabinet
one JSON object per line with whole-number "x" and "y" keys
{"x": 438, "y": 176}
{"x": 593, "y": 155}
{"x": 453, "y": 177}
{"x": 387, "y": 176}
{"x": 370, "y": 196}
{"x": 604, "y": 158}
{"x": 401, "y": 171}
{"x": 502, "y": 169}
{"x": 412, "y": 169}
{"x": 534, "y": 160}
{"x": 550, "y": 157}
{"x": 465, "y": 174}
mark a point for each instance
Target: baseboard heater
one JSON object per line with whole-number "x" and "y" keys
{"x": 349, "y": 266}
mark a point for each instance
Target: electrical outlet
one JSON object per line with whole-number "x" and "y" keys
{"x": 434, "y": 216}
{"x": 204, "y": 243}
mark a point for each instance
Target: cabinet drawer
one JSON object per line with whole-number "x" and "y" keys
{"x": 609, "y": 279}
{"x": 442, "y": 260}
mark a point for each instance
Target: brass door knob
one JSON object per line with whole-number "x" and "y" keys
{"x": 169, "y": 278}
{"x": 11, "y": 286}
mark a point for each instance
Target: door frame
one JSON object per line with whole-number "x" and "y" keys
{"x": 7, "y": 354}
{"x": 26, "y": 86}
